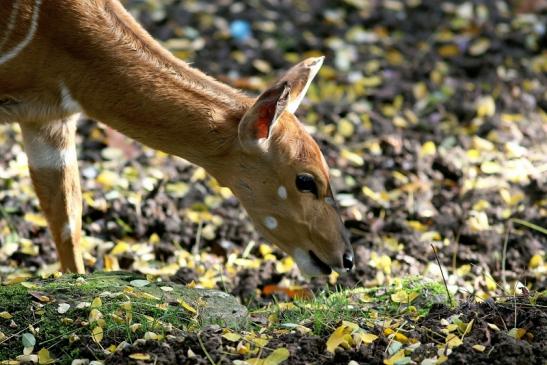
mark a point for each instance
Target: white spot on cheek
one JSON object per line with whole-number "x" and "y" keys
{"x": 270, "y": 222}
{"x": 282, "y": 192}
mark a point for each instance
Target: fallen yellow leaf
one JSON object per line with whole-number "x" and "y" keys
{"x": 276, "y": 357}
{"x": 453, "y": 341}
{"x": 139, "y": 356}
{"x": 403, "y": 297}
{"x": 486, "y": 106}
{"x": 36, "y": 219}
{"x": 479, "y": 348}
{"x": 233, "y": 337}
{"x": 97, "y": 334}
{"x": 428, "y": 149}
{"x": 96, "y": 303}
{"x": 44, "y": 357}
{"x": 366, "y": 338}
{"x": 517, "y": 333}
{"x": 535, "y": 261}
{"x": 341, "y": 336}
{"x": 187, "y": 306}
{"x": 449, "y": 50}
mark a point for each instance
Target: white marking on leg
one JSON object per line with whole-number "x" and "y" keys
{"x": 30, "y": 34}
{"x": 43, "y": 154}
{"x": 282, "y": 192}
{"x": 270, "y": 222}
{"x": 68, "y": 230}
{"x": 67, "y": 101}
{"x": 11, "y": 24}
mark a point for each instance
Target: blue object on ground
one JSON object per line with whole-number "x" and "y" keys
{"x": 240, "y": 29}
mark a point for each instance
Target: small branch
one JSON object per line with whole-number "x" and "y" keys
{"x": 197, "y": 243}
{"x": 504, "y": 254}
{"x": 205, "y": 351}
{"x": 19, "y": 332}
{"x": 533, "y": 226}
{"x": 442, "y": 274}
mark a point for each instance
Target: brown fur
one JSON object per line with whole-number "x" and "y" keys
{"x": 119, "y": 75}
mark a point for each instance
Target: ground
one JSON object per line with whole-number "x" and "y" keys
{"x": 432, "y": 118}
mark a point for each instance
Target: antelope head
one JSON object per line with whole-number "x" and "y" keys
{"x": 282, "y": 178}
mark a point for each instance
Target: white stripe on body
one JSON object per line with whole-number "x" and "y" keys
{"x": 11, "y": 23}
{"x": 32, "y": 30}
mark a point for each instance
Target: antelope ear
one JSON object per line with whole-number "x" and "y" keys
{"x": 299, "y": 78}
{"x": 258, "y": 122}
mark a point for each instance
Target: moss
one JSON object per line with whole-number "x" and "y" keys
{"x": 15, "y": 300}
{"x": 125, "y": 312}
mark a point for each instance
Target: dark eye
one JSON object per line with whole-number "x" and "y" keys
{"x": 306, "y": 184}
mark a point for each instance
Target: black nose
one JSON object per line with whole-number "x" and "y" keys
{"x": 347, "y": 260}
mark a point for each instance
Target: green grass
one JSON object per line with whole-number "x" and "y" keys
{"x": 323, "y": 313}
{"x": 159, "y": 313}
{"x": 53, "y": 330}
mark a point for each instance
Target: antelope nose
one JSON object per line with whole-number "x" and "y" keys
{"x": 347, "y": 260}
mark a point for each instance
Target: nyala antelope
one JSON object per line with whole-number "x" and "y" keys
{"x": 61, "y": 58}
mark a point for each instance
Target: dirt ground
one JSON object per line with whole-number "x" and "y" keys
{"x": 432, "y": 117}
{"x": 306, "y": 349}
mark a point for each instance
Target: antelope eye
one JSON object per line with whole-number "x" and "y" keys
{"x": 305, "y": 183}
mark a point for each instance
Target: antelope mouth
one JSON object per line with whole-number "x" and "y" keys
{"x": 325, "y": 269}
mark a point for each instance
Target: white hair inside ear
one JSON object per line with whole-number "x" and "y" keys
{"x": 314, "y": 66}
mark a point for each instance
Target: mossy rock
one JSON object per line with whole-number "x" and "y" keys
{"x": 63, "y": 313}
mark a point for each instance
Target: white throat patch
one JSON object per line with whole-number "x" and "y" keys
{"x": 68, "y": 103}
{"x": 305, "y": 263}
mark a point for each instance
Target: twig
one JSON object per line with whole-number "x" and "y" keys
{"x": 504, "y": 253}
{"x": 434, "y": 333}
{"x": 442, "y": 274}
{"x": 515, "y": 301}
{"x": 525, "y": 305}
{"x": 61, "y": 336}
{"x": 18, "y": 333}
{"x": 464, "y": 213}
{"x": 195, "y": 249}
{"x": 391, "y": 339}
{"x": 456, "y": 249}
{"x": 205, "y": 351}
{"x": 533, "y": 226}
